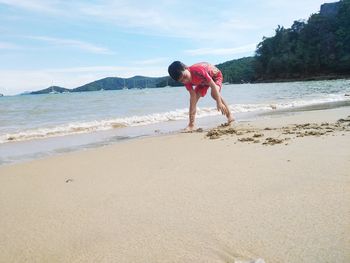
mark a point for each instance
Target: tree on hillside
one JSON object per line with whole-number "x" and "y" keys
{"x": 319, "y": 46}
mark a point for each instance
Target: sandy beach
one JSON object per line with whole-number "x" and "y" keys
{"x": 275, "y": 189}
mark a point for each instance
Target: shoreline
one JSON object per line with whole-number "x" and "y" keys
{"x": 310, "y": 78}
{"x": 22, "y": 151}
{"x": 188, "y": 198}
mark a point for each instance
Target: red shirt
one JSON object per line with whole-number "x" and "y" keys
{"x": 202, "y": 73}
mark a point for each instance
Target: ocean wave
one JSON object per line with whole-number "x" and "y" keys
{"x": 179, "y": 114}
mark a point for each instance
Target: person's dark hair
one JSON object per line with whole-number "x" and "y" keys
{"x": 175, "y": 70}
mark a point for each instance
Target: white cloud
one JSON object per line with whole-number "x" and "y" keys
{"x": 154, "y": 61}
{"x": 7, "y": 45}
{"x": 85, "y": 46}
{"x": 306, "y": 4}
{"x": 221, "y": 22}
{"x": 35, "y": 5}
{"x": 16, "y": 81}
{"x": 221, "y": 51}
{"x": 144, "y": 17}
{"x": 86, "y": 69}
{"x": 166, "y": 18}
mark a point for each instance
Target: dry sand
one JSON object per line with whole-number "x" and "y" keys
{"x": 188, "y": 198}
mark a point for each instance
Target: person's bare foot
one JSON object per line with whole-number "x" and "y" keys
{"x": 189, "y": 129}
{"x": 228, "y": 123}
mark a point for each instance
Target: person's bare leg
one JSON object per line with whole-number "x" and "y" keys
{"x": 192, "y": 113}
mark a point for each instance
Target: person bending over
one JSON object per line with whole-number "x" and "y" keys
{"x": 201, "y": 75}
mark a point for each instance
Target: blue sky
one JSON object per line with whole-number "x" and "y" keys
{"x": 71, "y": 43}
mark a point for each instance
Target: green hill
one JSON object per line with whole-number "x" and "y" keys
{"x": 115, "y": 83}
{"x": 238, "y": 70}
{"x": 52, "y": 89}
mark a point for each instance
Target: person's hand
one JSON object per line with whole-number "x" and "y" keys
{"x": 221, "y": 107}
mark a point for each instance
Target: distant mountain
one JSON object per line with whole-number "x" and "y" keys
{"x": 115, "y": 83}
{"x": 25, "y": 93}
{"x": 52, "y": 89}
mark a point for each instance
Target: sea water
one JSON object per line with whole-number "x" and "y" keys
{"x": 32, "y": 126}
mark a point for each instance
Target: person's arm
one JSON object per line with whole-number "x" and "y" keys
{"x": 215, "y": 92}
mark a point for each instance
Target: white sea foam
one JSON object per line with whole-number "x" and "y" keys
{"x": 179, "y": 114}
